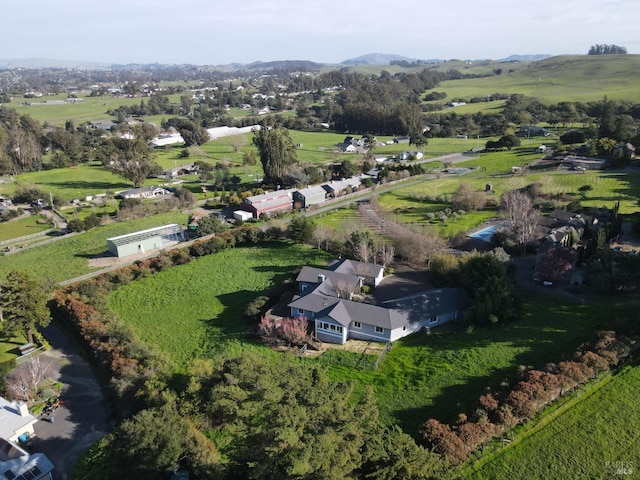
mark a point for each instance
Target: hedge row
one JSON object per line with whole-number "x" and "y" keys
{"x": 503, "y": 409}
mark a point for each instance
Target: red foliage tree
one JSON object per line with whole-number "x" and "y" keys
{"x": 442, "y": 440}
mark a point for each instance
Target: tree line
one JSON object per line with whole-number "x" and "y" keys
{"x": 604, "y": 49}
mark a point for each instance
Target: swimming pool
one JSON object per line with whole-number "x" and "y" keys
{"x": 485, "y": 234}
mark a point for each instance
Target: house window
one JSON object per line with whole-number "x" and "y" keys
{"x": 339, "y": 329}
{"x": 357, "y": 325}
{"x": 433, "y": 319}
{"x": 379, "y": 330}
{"x": 326, "y": 326}
{"x": 300, "y": 312}
{"x": 319, "y": 325}
{"x": 303, "y": 287}
{"x": 333, "y": 328}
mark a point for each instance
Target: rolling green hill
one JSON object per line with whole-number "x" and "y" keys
{"x": 565, "y": 78}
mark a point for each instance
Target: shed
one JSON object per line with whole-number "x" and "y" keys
{"x": 145, "y": 240}
{"x": 242, "y": 215}
{"x": 306, "y": 197}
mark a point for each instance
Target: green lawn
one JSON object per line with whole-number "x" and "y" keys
{"x": 592, "y": 439}
{"x": 195, "y": 310}
{"x": 442, "y": 374}
{"x": 68, "y": 257}
{"x": 21, "y": 227}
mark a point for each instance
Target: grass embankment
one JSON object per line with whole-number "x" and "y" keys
{"x": 69, "y": 257}
{"x": 593, "y": 438}
{"x": 195, "y": 310}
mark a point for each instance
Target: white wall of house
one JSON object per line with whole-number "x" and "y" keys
{"x": 362, "y": 331}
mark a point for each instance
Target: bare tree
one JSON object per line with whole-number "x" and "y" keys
{"x": 321, "y": 234}
{"x": 38, "y": 370}
{"x": 523, "y": 218}
{"x": 363, "y": 250}
{"x": 237, "y": 142}
{"x": 342, "y": 290}
{"x": 467, "y": 198}
{"x": 18, "y": 385}
{"x": 386, "y": 254}
{"x": 417, "y": 248}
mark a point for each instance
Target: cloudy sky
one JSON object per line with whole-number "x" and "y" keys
{"x": 216, "y": 32}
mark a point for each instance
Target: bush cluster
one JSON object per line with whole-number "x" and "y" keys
{"x": 535, "y": 389}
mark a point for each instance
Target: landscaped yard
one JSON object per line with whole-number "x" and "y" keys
{"x": 595, "y": 438}
{"x": 195, "y": 310}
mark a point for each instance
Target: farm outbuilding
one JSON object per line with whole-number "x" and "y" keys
{"x": 145, "y": 240}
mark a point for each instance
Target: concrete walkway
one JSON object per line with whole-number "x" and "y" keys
{"x": 83, "y": 416}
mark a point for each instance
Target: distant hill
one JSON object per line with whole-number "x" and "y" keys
{"x": 525, "y": 58}
{"x": 295, "y": 65}
{"x": 376, "y": 59}
{"x": 35, "y": 63}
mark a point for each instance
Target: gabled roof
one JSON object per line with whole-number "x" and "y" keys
{"x": 337, "y": 279}
{"x": 356, "y": 268}
{"x": 311, "y": 191}
{"x": 269, "y": 196}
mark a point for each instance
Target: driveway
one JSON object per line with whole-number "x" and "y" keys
{"x": 83, "y": 416}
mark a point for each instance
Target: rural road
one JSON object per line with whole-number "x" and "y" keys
{"x": 83, "y": 416}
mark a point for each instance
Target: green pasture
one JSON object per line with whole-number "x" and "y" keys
{"x": 592, "y": 439}
{"x": 69, "y": 257}
{"x": 557, "y": 79}
{"x": 471, "y": 108}
{"x": 21, "y": 227}
{"x": 195, "y": 310}
{"x": 70, "y": 183}
{"x": 442, "y": 374}
{"x": 88, "y": 110}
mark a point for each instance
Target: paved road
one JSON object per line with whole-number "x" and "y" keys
{"x": 83, "y": 416}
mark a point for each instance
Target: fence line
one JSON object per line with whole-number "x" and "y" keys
{"x": 27, "y": 356}
{"x": 26, "y": 237}
{"x": 387, "y": 347}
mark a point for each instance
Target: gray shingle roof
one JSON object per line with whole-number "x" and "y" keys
{"x": 353, "y": 267}
{"x": 338, "y": 280}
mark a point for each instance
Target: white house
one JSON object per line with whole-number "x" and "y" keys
{"x": 16, "y": 422}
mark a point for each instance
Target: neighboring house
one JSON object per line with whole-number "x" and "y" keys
{"x": 16, "y": 422}
{"x": 409, "y": 155}
{"x": 532, "y": 131}
{"x": 336, "y": 318}
{"x": 541, "y": 149}
{"x": 269, "y": 203}
{"x": 309, "y": 196}
{"x": 181, "y": 170}
{"x": 17, "y": 464}
{"x": 335, "y": 188}
{"x": 143, "y": 192}
{"x": 370, "y": 273}
{"x": 401, "y": 140}
{"x": 167, "y": 139}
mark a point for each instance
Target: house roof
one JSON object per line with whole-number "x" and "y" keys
{"x": 311, "y": 191}
{"x": 272, "y": 204}
{"x": 337, "y": 279}
{"x": 10, "y": 419}
{"x": 33, "y": 467}
{"x": 339, "y": 185}
{"x": 354, "y": 267}
{"x": 141, "y": 191}
{"x": 269, "y": 196}
{"x": 430, "y": 303}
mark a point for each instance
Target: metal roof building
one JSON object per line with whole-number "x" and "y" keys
{"x": 145, "y": 240}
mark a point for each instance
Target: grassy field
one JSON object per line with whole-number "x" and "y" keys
{"x": 442, "y": 374}
{"x": 196, "y": 309}
{"x": 21, "y": 227}
{"x": 557, "y": 79}
{"x": 88, "y": 110}
{"x": 69, "y": 257}
{"x": 592, "y": 439}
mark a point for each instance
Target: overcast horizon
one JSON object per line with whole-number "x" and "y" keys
{"x": 202, "y": 33}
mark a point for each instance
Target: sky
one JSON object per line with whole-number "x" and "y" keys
{"x": 215, "y": 32}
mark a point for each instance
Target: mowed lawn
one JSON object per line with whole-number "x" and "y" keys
{"x": 443, "y": 374}
{"x": 195, "y": 310}
{"x": 592, "y": 439}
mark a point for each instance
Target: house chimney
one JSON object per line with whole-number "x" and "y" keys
{"x": 22, "y": 409}
{"x": 321, "y": 278}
